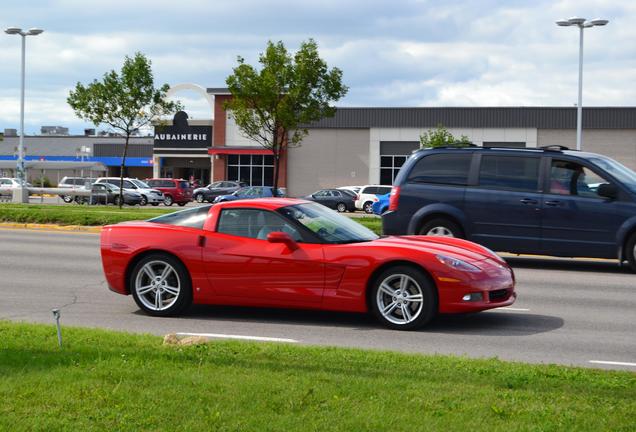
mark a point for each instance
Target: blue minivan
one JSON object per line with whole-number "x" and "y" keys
{"x": 547, "y": 201}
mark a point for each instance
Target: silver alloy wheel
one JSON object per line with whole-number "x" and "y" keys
{"x": 341, "y": 207}
{"x": 144, "y": 200}
{"x": 167, "y": 200}
{"x": 199, "y": 198}
{"x": 157, "y": 285}
{"x": 440, "y": 231}
{"x": 634, "y": 252}
{"x": 399, "y": 299}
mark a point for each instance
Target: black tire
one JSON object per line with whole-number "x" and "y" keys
{"x": 154, "y": 204}
{"x": 630, "y": 251}
{"x": 143, "y": 201}
{"x": 67, "y": 198}
{"x": 368, "y": 207}
{"x": 199, "y": 198}
{"x": 116, "y": 200}
{"x": 181, "y": 204}
{"x": 442, "y": 225}
{"x": 423, "y": 312}
{"x": 167, "y": 200}
{"x": 341, "y": 207}
{"x": 180, "y": 276}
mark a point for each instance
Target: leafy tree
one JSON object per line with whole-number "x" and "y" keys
{"x": 126, "y": 102}
{"x": 271, "y": 105}
{"x": 441, "y": 137}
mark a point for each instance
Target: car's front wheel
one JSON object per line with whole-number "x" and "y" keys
{"x": 67, "y": 198}
{"x": 160, "y": 285}
{"x": 403, "y": 298}
{"x": 143, "y": 201}
{"x": 441, "y": 228}
{"x": 630, "y": 251}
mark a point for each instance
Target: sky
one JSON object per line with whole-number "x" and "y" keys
{"x": 393, "y": 53}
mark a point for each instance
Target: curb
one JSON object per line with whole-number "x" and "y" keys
{"x": 51, "y": 227}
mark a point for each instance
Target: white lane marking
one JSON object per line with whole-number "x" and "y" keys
{"x": 228, "y": 336}
{"x": 614, "y": 363}
{"x": 503, "y": 309}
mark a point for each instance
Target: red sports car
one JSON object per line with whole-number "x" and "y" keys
{"x": 290, "y": 253}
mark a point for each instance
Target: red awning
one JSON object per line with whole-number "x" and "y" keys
{"x": 239, "y": 151}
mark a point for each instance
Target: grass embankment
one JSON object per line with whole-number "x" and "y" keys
{"x": 104, "y": 380}
{"x": 73, "y": 214}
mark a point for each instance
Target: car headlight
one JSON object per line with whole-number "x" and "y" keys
{"x": 457, "y": 264}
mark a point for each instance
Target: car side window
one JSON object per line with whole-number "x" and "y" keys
{"x": 443, "y": 168}
{"x": 321, "y": 193}
{"x": 336, "y": 194}
{"x": 509, "y": 173}
{"x": 254, "y": 223}
{"x": 570, "y": 178}
{"x": 383, "y": 190}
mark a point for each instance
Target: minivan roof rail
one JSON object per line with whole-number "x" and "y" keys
{"x": 554, "y": 148}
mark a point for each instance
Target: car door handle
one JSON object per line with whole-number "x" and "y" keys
{"x": 201, "y": 241}
{"x": 528, "y": 201}
{"x": 552, "y": 203}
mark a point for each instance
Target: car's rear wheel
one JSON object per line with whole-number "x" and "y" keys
{"x": 630, "y": 251}
{"x": 167, "y": 200}
{"x": 441, "y": 228}
{"x": 341, "y": 207}
{"x": 160, "y": 285}
{"x": 199, "y": 198}
{"x": 143, "y": 201}
{"x": 403, "y": 298}
{"x": 368, "y": 207}
{"x": 181, "y": 204}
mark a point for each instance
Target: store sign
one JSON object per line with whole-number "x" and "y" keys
{"x": 181, "y": 135}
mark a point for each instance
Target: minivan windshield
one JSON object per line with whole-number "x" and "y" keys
{"x": 327, "y": 224}
{"x": 140, "y": 184}
{"x": 619, "y": 171}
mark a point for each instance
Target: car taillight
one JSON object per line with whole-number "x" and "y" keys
{"x": 357, "y": 197}
{"x": 394, "y": 198}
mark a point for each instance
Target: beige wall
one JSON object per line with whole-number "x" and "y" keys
{"x": 328, "y": 158}
{"x": 619, "y": 144}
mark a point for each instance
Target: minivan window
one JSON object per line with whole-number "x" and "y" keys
{"x": 569, "y": 178}
{"x": 624, "y": 175}
{"x": 509, "y": 172}
{"x": 444, "y": 168}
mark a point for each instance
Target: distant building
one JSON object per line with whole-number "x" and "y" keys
{"x": 54, "y": 130}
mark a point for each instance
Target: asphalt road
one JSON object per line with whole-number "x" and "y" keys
{"x": 568, "y": 312}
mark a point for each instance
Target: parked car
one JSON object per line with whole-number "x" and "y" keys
{"x": 340, "y": 200}
{"x": 106, "y": 193}
{"x": 252, "y": 192}
{"x": 213, "y": 190}
{"x": 148, "y": 194}
{"x": 381, "y": 205}
{"x": 540, "y": 201}
{"x": 298, "y": 254}
{"x": 174, "y": 190}
{"x": 81, "y": 183}
{"x": 368, "y": 195}
{"x": 354, "y": 189}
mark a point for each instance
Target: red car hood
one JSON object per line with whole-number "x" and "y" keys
{"x": 457, "y": 248}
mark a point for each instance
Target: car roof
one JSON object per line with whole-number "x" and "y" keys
{"x": 544, "y": 150}
{"x": 263, "y": 203}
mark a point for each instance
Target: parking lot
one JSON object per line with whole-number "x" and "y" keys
{"x": 568, "y": 312}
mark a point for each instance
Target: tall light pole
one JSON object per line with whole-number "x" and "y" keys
{"x": 23, "y": 194}
{"x": 581, "y": 23}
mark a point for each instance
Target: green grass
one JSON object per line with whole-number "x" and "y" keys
{"x": 73, "y": 214}
{"x": 103, "y": 380}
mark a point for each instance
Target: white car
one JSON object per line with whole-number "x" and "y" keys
{"x": 368, "y": 195}
{"x": 354, "y": 189}
{"x": 148, "y": 195}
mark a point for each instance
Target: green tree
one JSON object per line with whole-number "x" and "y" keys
{"x": 441, "y": 137}
{"x": 270, "y": 106}
{"x": 126, "y": 102}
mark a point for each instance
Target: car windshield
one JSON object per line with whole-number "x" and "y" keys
{"x": 619, "y": 171}
{"x": 140, "y": 184}
{"x": 327, "y": 224}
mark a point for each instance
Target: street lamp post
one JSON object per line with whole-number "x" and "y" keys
{"x": 581, "y": 23}
{"x": 22, "y": 194}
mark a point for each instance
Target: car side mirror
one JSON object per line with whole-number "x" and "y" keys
{"x": 608, "y": 190}
{"x": 282, "y": 237}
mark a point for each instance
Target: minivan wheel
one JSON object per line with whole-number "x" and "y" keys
{"x": 144, "y": 200}
{"x": 167, "y": 200}
{"x": 441, "y": 228}
{"x": 630, "y": 251}
{"x": 403, "y": 298}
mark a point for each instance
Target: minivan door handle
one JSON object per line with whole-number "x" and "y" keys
{"x": 553, "y": 203}
{"x": 528, "y": 201}
{"x": 201, "y": 241}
